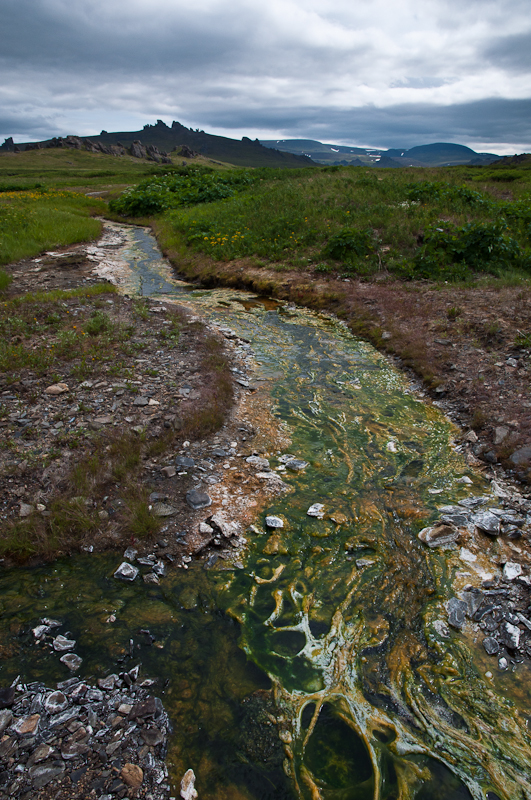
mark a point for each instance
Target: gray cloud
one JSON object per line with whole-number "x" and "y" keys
{"x": 371, "y": 72}
{"x": 511, "y": 52}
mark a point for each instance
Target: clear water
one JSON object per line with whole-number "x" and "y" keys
{"x": 334, "y": 618}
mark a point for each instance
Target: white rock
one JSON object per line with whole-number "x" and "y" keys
{"x": 188, "y": 791}
{"x": 126, "y": 572}
{"x": 511, "y": 571}
{"x": 317, "y": 510}
{"x": 274, "y": 522}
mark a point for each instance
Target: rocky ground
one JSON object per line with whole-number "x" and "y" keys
{"x": 83, "y": 741}
{"x": 148, "y": 388}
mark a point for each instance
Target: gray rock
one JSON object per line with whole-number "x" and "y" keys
{"x": 141, "y": 401}
{"x": 457, "y": 610}
{"x": 108, "y": 683}
{"x": 219, "y": 453}
{"x": 56, "y": 702}
{"x": 159, "y": 568}
{"x": 150, "y": 577}
{"x": 61, "y": 644}
{"x": 197, "y": 499}
{"x": 503, "y": 663}
{"x": 487, "y": 522}
{"x": 6, "y": 715}
{"x": 458, "y": 520}
{"x": 169, "y": 472}
{"x": 227, "y": 529}
{"x": 473, "y": 601}
{"x": 439, "y": 535}
{"x": 25, "y": 510}
{"x": 472, "y": 502}
{"x": 296, "y": 464}
{"x": 72, "y": 661}
{"x": 126, "y": 572}
{"x": 274, "y": 522}
{"x": 492, "y": 647}
{"x": 163, "y": 510}
{"x": 43, "y": 774}
{"x": 500, "y": 434}
{"x": 259, "y": 463}
{"x": 130, "y": 554}
{"x": 184, "y": 461}
{"x": 521, "y": 457}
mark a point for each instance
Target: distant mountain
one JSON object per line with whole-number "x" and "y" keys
{"x": 441, "y": 154}
{"x": 325, "y": 153}
{"x": 427, "y": 155}
{"x": 244, "y": 153}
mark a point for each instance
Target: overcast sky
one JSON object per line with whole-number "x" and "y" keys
{"x": 376, "y": 73}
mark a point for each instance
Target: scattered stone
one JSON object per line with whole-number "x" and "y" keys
{"x": 227, "y": 529}
{"x": 197, "y": 500}
{"x": 163, "y": 510}
{"x": 511, "y": 570}
{"x": 132, "y": 775}
{"x": 141, "y": 401}
{"x": 440, "y": 535}
{"x": 130, "y": 554}
{"x": 487, "y": 522}
{"x": 296, "y": 464}
{"x": 55, "y": 702}
{"x": 259, "y": 463}
{"x": 27, "y": 726}
{"x": 316, "y": 510}
{"x": 491, "y": 645}
{"x": 57, "y": 388}
{"x": 150, "y": 577}
{"x": 510, "y": 635}
{"x": 25, "y": 510}
{"x": 457, "y": 610}
{"x": 7, "y": 696}
{"x": 188, "y": 791}
{"x": 126, "y": 572}
{"x": 471, "y": 437}
{"x": 169, "y": 472}
{"x": 61, "y": 643}
{"x": 521, "y": 457}
{"x": 274, "y": 522}
{"x": 500, "y": 434}
{"x": 184, "y": 461}
{"x": 72, "y": 661}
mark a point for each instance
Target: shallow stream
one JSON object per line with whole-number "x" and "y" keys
{"x": 335, "y": 626}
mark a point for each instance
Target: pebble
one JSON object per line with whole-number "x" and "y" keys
{"x": 511, "y": 571}
{"x": 126, "y": 572}
{"x": 274, "y": 522}
{"x": 439, "y": 535}
{"x": 316, "y": 510}
{"x": 188, "y": 791}
{"x": 197, "y": 500}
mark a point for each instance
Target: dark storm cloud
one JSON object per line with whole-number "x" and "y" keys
{"x": 490, "y": 120}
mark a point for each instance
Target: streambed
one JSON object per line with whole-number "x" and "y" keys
{"x": 336, "y": 627}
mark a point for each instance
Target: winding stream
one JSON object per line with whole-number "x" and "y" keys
{"x": 342, "y": 617}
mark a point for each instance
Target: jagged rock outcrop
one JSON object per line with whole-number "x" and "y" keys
{"x": 137, "y": 149}
{"x": 185, "y": 151}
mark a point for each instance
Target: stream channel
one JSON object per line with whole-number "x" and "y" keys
{"x": 339, "y": 630}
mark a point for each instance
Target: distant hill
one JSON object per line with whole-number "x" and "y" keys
{"x": 244, "y": 153}
{"x": 441, "y": 154}
{"x": 325, "y": 153}
{"x": 427, "y": 155}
